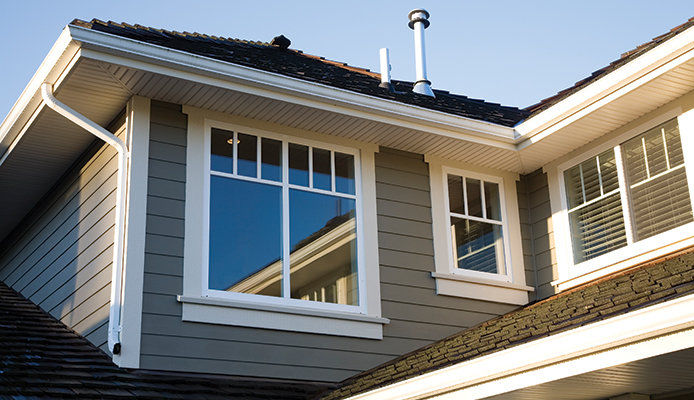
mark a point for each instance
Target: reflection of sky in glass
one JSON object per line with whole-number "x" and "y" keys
{"x": 272, "y": 159}
{"x": 245, "y": 229}
{"x": 248, "y": 153}
{"x": 321, "y": 169}
{"x": 298, "y": 164}
{"x": 344, "y": 173}
{"x": 309, "y": 212}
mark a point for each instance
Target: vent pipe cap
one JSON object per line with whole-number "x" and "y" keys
{"x": 418, "y": 15}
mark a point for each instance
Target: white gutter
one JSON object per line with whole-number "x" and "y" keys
{"x": 114, "y": 321}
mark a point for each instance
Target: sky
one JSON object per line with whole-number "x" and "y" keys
{"x": 511, "y": 52}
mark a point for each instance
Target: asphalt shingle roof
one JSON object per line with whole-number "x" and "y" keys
{"x": 648, "y": 284}
{"x": 41, "y": 358}
{"x": 296, "y": 64}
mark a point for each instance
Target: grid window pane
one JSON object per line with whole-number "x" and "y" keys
{"x": 455, "y": 194}
{"x": 322, "y": 175}
{"x": 492, "y": 201}
{"x": 344, "y": 173}
{"x": 271, "y": 155}
{"x": 248, "y": 155}
{"x": 298, "y": 164}
{"x": 222, "y": 151}
{"x": 474, "y": 197}
{"x": 597, "y": 228}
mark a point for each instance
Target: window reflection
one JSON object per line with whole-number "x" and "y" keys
{"x": 298, "y": 164}
{"x": 245, "y": 237}
{"x": 322, "y": 175}
{"x": 478, "y": 245}
{"x": 344, "y": 173}
{"x": 323, "y": 248}
{"x": 248, "y": 155}
{"x": 272, "y": 159}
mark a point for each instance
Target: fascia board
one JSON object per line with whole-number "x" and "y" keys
{"x": 578, "y": 343}
{"x": 53, "y": 65}
{"x": 595, "y": 94}
{"x": 158, "y": 59}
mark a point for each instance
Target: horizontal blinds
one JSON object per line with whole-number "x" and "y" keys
{"x": 597, "y": 223}
{"x": 658, "y": 192}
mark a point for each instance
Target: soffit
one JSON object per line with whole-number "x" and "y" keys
{"x": 51, "y": 144}
{"x": 656, "y": 375}
{"x": 643, "y": 99}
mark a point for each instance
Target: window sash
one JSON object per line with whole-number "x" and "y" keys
{"x": 286, "y": 187}
{"x": 665, "y": 164}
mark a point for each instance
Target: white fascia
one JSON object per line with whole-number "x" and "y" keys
{"x": 58, "y": 61}
{"x": 659, "y": 329}
{"x": 184, "y": 65}
{"x": 633, "y": 74}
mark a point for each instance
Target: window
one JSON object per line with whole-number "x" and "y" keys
{"x": 282, "y": 219}
{"x": 474, "y": 212}
{"x": 477, "y": 242}
{"x": 627, "y": 194}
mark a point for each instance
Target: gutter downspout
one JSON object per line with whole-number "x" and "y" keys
{"x": 114, "y": 321}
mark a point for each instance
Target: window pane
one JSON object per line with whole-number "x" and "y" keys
{"x": 323, "y": 248}
{"x": 222, "y": 149}
{"x": 344, "y": 173}
{"x": 597, "y": 228}
{"x": 478, "y": 245}
{"x": 245, "y": 237}
{"x": 298, "y": 164}
{"x": 574, "y": 187}
{"x": 492, "y": 200}
{"x": 591, "y": 181}
{"x": 248, "y": 155}
{"x": 322, "y": 177}
{"x": 474, "y": 197}
{"x": 271, "y": 154}
{"x": 455, "y": 194}
{"x": 634, "y": 160}
{"x": 661, "y": 204}
{"x": 655, "y": 150}
{"x": 608, "y": 171}
{"x": 674, "y": 145}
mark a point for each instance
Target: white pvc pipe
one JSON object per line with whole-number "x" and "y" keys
{"x": 385, "y": 66}
{"x": 123, "y": 154}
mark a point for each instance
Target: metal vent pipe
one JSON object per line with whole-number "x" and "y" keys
{"x": 419, "y": 21}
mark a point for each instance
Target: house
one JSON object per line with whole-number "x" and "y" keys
{"x": 184, "y": 215}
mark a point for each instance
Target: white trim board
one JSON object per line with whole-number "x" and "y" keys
{"x": 651, "y": 331}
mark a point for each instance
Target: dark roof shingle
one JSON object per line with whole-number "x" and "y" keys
{"x": 41, "y": 358}
{"x": 296, "y": 64}
{"x": 651, "y": 283}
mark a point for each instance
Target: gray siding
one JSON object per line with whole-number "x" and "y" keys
{"x": 536, "y": 229}
{"x": 418, "y": 316}
{"x": 60, "y": 255}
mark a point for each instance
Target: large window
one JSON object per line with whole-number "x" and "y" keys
{"x": 474, "y": 214}
{"x": 283, "y": 219}
{"x": 631, "y": 192}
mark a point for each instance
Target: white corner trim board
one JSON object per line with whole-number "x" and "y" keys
{"x": 655, "y": 330}
{"x": 119, "y": 228}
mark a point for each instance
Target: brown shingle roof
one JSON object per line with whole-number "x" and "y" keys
{"x": 643, "y": 286}
{"x": 41, "y": 358}
{"x": 623, "y": 59}
{"x": 296, "y": 64}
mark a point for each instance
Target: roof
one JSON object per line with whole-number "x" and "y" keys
{"x": 623, "y": 59}
{"x": 646, "y": 285}
{"x": 41, "y": 358}
{"x": 296, "y": 64}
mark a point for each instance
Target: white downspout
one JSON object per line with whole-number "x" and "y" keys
{"x": 114, "y": 321}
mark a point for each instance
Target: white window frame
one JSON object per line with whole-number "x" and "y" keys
{"x": 202, "y": 304}
{"x": 571, "y": 274}
{"x": 508, "y": 285}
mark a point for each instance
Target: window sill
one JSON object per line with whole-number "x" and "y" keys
{"x": 481, "y": 289}
{"x": 287, "y": 318}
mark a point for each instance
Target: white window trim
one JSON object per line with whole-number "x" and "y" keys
{"x": 570, "y": 274}
{"x": 508, "y": 287}
{"x": 201, "y": 304}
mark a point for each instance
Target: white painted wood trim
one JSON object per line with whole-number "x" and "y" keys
{"x": 651, "y": 331}
{"x": 138, "y": 115}
{"x": 196, "y": 255}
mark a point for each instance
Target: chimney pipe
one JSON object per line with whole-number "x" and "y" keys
{"x": 385, "y": 68}
{"x": 419, "y": 21}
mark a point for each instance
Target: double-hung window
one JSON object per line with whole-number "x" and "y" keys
{"x": 283, "y": 220}
{"x": 634, "y": 191}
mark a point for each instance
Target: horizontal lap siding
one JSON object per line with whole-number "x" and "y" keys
{"x": 418, "y": 316}
{"x": 537, "y": 233}
{"x": 60, "y": 255}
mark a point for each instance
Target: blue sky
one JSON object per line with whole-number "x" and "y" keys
{"x": 512, "y": 52}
